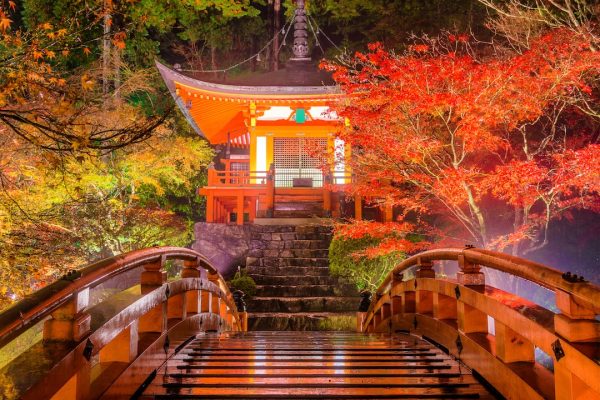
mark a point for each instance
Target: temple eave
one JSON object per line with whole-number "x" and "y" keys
{"x": 246, "y": 92}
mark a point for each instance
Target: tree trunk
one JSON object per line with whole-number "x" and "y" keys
{"x": 106, "y": 50}
{"x": 276, "y": 27}
{"x": 213, "y": 58}
{"x": 271, "y": 32}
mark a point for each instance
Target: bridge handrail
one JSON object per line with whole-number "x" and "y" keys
{"x": 38, "y": 305}
{"x": 496, "y": 332}
{"x": 543, "y": 275}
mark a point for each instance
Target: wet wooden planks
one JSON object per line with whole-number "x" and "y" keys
{"x": 312, "y": 365}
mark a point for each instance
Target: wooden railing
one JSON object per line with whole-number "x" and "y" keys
{"x": 237, "y": 178}
{"x": 457, "y": 315}
{"x": 89, "y": 348}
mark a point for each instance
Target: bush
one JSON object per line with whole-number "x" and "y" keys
{"x": 338, "y": 323}
{"x": 241, "y": 281}
{"x": 365, "y": 273}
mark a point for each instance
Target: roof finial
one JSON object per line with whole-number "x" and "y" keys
{"x": 300, "y": 33}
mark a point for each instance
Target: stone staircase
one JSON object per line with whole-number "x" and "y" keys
{"x": 294, "y": 289}
{"x": 298, "y": 202}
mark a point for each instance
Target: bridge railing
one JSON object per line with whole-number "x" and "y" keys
{"x": 494, "y": 332}
{"x": 88, "y": 348}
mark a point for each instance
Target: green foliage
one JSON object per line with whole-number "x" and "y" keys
{"x": 245, "y": 283}
{"x": 346, "y": 260}
{"x": 338, "y": 323}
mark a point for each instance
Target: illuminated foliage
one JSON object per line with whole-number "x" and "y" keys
{"x": 498, "y": 146}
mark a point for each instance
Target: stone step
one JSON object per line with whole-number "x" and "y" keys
{"x": 299, "y": 214}
{"x": 301, "y": 290}
{"x": 291, "y": 244}
{"x": 291, "y": 322}
{"x": 299, "y": 198}
{"x": 286, "y": 270}
{"x": 289, "y": 253}
{"x": 287, "y": 262}
{"x": 298, "y": 206}
{"x": 288, "y": 228}
{"x": 281, "y": 280}
{"x": 303, "y": 304}
{"x": 259, "y": 238}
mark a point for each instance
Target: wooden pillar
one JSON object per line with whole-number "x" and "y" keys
{"x": 444, "y": 307}
{"x": 69, "y": 322}
{"x": 123, "y": 348}
{"x": 191, "y": 269}
{"x": 153, "y": 276}
{"x": 469, "y": 274}
{"x": 512, "y": 347}
{"x": 388, "y": 212}
{"x": 386, "y": 311}
{"x": 576, "y": 322}
{"x": 327, "y": 200}
{"x": 424, "y": 298}
{"x": 205, "y": 301}
{"x": 569, "y": 386}
{"x": 212, "y": 175}
{"x": 396, "y": 300}
{"x": 252, "y": 208}
{"x": 327, "y": 185}
{"x": 240, "y": 209}
{"x": 360, "y": 320}
{"x": 243, "y": 321}
{"x": 77, "y": 387}
{"x": 470, "y": 319}
{"x": 357, "y": 207}
{"x": 155, "y": 320}
{"x": 271, "y": 191}
{"x": 176, "y": 306}
{"x": 210, "y": 208}
{"x": 217, "y": 210}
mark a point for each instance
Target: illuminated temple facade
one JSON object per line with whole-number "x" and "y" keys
{"x": 279, "y": 155}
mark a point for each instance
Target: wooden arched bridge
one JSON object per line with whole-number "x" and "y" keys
{"x": 126, "y": 327}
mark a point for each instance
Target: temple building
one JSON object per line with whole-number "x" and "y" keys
{"x": 279, "y": 157}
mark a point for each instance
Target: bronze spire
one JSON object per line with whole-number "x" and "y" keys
{"x": 301, "y": 50}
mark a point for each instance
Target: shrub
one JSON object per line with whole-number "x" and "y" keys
{"x": 345, "y": 260}
{"x": 241, "y": 281}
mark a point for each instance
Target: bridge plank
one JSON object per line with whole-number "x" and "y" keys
{"x": 261, "y": 365}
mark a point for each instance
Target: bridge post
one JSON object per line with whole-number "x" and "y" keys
{"x": 444, "y": 307}
{"x": 396, "y": 300}
{"x": 511, "y": 346}
{"x": 69, "y": 322}
{"x": 576, "y": 322}
{"x": 191, "y": 269}
{"x": 470, "y": 274}
{"x": 214, "y": 301}
{"x": 123, "y": 348}
{"x": 424, "y": 298}
{"x": 153, "y": 277}
{"x": 357, "y": 207}
{"x": 376, "y": 316}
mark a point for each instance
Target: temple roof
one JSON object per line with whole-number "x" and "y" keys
{"x": 298, "y": 78}
{"x": 218, "y": 107}
{"x": 217, "y": 110}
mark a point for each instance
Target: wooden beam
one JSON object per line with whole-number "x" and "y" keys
{"x": 210, "y": 213}
{"x": 357, "y": 207}
{"x": 240, "y": 209}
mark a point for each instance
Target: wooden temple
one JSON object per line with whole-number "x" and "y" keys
{"x": 279, "y": 154}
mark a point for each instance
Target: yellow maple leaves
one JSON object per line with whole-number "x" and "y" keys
{"x": 4, "y": 22}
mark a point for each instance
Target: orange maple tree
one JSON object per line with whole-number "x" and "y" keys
{"x": 486, "y": 149}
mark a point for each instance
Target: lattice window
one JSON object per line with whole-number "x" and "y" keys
{"x": 239, "y": 166}
{"x": 299, "y": 158}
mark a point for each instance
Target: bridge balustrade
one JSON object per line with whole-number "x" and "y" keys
{"x": 92, "y": 349}
{"x": 457, "y": 315}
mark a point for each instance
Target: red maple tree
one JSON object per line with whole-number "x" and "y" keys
{"x": 494, "y": 147}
